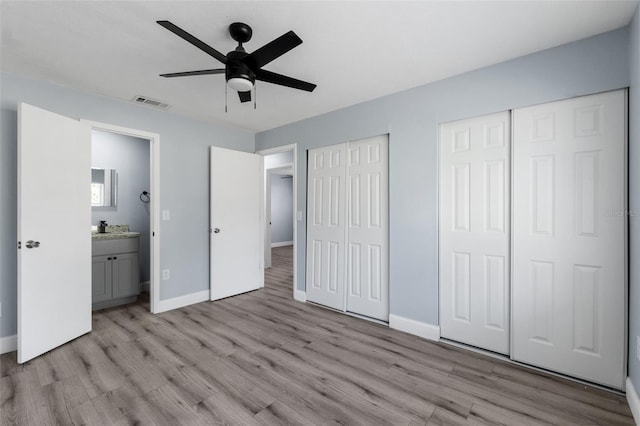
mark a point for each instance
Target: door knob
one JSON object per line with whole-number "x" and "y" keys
{"x": 32, "y": 244}
{"x": 216, "y": 230}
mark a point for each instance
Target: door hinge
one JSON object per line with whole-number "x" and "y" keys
{"x": 19, "y": 244}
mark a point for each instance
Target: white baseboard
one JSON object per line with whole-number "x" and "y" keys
{"x": 633, "y": 400}
{"x": 145, "y": 286}
{"x": 181, "y": 301}
{"x": 300, "y": 296}
{"x": 8, "y": 344}
{"x": 422, "y": 329}
{"x": 282, "y": 244}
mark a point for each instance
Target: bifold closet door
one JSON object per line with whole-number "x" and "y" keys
{"x": 368, "y": 227}
{"x": 348, "y": 227}
{"x": 474, "y": 231}
{"x": 326, "y": 232}
{"x": 569, "y": 253}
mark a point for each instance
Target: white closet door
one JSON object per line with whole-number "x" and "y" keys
{"x": 368, "y": 228}
{"x": 326, "y": 232}
{"x": 569, "y": 237}
{"x": 474, "y": 231}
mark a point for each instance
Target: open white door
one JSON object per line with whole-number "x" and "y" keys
{"x": 236, "y": 237}
{"x": 54, "y": 223}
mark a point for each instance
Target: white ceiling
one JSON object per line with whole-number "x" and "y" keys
{"x": 354, "y": 51}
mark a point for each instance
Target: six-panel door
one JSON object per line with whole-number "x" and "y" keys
{"x": 474, "y": 231}
{"x": 326, "y": 233}
{"x": 569, "y": 227}
{"x": 348, "y": 227}
{"x": 367, "y": 256}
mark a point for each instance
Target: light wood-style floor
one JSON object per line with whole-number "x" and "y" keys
{"x": 261, "y": 358}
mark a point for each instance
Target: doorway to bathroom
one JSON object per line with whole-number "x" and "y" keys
{"x": 124, "y": 212}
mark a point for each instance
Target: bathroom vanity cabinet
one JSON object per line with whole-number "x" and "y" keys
{"x": 115, "y": 270}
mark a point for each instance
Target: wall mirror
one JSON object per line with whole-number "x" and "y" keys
{"x": 104, "y": 187}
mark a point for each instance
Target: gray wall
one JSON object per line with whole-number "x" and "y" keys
{"x": 184, "y": 171}
{"x": 411, "y": 118}
{"x": 281, "y": 209}
{"x": 130, "y": 157}
{"x": 634, "y": 199}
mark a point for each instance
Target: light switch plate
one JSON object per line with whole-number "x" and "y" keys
{"x": 165, "y": 274}
{"x": 299, "y": 215}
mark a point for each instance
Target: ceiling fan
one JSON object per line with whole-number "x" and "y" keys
{"x": 242, "y": 69}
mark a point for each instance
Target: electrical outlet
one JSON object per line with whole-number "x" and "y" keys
{"x": 165, "y": 274}
{"x": 166, "y": 215}
{"x": 299, "y": 215}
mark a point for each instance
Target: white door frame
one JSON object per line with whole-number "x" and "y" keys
{"x": 269, "y": 173}
{"x": 286, "y": 148}
{"x": 154, "y": 238}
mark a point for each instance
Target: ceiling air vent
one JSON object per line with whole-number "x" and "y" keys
{"x": 152, "y": 103}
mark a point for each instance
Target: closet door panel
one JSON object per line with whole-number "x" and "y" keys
{"x": 569, "y": 237}
{"x": 474, "y": 231}
{"x": 368, "y": 228}
{"x": 326, "y": 232}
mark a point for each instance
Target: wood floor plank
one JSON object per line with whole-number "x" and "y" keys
{"x": 86, "y": 414}
{"x": 313, "y": 407}
{"x": 223, "y": 409}
{"x": 261, "y": 358}
{"x": 442, "y": 417}
{"x": 330, "y": 401}
{"x": 122, "y": 406}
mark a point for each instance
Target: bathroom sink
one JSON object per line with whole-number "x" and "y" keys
{"x": 113, "y": 235}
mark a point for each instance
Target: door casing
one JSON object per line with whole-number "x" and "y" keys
{"x": 154, "y": 216}
{"x": 298, "y": 295}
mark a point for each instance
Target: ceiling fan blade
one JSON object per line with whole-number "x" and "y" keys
{"x": 193, "y": 40}
{"x": 188, "y": 73}
{"x": 283, "y": 80}
{"x": 272, "y": 50}
{"x": 245, "y": 96}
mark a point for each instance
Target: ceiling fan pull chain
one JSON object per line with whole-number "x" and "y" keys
{"x": 255, "y": 98}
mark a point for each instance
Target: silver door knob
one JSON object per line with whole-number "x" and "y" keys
{"x": 33, "y": 244}
{"x": 216, "y": 230}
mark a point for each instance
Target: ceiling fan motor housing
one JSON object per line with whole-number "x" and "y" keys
{"x": 237, "y": 68}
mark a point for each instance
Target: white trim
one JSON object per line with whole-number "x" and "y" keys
{"x": 418, "y": 328}
{"x": 633, "y": 400}
{"x": 285, "y": 148}
{"x": 282, "y": 244}
{"x": 8, "y": 344}
{"x": 300, "y": 296}
{"x": 154, "y": 217}
{"x": 181, "y": 301}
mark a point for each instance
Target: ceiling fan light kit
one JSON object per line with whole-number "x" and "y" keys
{"x": 242, "y": 69}
{"x": 240, "y": 84}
